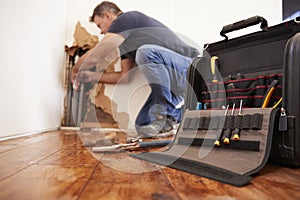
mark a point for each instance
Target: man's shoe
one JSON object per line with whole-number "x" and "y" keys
{"x": 163, "y": 126}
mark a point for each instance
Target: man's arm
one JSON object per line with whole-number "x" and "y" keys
{"x": 123, "y": 75}
{"x": 109, "y": 77}
{"x": 104, "y": 48}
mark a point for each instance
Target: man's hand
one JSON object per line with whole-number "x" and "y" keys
{"x": 88, "y": 76}
{"x": 85, "y": 77}
{"x": 76, "y": 67}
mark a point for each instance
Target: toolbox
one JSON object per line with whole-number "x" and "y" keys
{"x": 242, "y": 105}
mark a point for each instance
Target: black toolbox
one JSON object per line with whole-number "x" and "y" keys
{"x": 246, "y": 87}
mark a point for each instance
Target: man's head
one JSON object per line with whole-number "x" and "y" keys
{"x": 104, "y": 14}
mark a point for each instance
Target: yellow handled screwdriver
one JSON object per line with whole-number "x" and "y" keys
{"x": 237, "y": 124}
{"x": 229, "y": 124}
{"x": 217, "y": 143}
{"x": 213, "y": 66}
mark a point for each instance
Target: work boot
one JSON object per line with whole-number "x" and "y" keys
{"x": 163, "y": 126}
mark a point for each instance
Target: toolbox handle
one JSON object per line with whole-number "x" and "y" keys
{"x": 244, "y": 24}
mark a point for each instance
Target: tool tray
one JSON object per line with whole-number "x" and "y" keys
{"x": 193, "y": 149}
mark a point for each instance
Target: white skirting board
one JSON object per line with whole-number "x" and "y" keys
{"x": 26, "y": 134}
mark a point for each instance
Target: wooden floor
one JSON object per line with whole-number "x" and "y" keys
{"x": 55, "y": 165}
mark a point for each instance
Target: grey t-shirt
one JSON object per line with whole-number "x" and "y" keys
{"x": 139, "y": 29}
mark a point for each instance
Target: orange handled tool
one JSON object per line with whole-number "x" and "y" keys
{"x": 269, "y": 93}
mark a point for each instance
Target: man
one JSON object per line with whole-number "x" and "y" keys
{"x": 160, "y": 55}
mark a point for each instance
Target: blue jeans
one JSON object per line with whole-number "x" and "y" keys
{"x": 165, "y": 71}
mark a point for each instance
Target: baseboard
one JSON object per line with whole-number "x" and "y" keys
{"x": 69, "y": 128}
{"x": 19, "y": 135}
{"x": 131, "y": 132}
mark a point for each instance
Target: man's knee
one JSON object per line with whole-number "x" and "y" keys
{"x": 145, "y": 54}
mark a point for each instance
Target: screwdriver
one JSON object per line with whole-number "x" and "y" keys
{"x": 220, "y": 132}
{"x": 229, "y": 125}
{"x": 237, "y": 123}
{"x": 213, "y": 66}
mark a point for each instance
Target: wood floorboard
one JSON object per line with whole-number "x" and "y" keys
{"x": 70, "y": 155}
{"x": 56, "y": 165}
{"x": 8, "y": 147}
{"x": 20, "y": 142}
{"x": 128, "y": 185}
{"x": 274, "y": 185}
{"x": 25, "y": 155}
{"x": 46, "y": 182}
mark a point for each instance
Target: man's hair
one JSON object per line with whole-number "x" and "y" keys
{"x": 105, "y": 6}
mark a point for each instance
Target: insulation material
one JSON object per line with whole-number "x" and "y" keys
{"x": 99, "y": 99}
{"x": 105, "y": 109}
{"x": 83, "y": 39}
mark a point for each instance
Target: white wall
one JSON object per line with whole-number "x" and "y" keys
{"x": 33, "y": 34}
{"x": 201, "y": 21}
{"x": 32, "y": 60}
